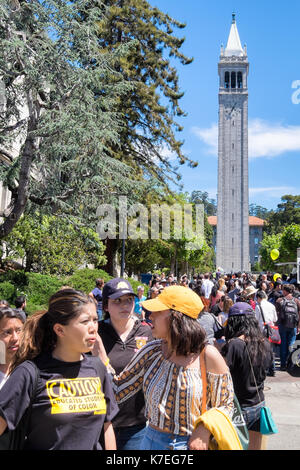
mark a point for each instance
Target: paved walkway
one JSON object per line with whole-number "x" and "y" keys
{"x": 282, "y": 394}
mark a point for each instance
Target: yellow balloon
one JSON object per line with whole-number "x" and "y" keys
{"x": 274, "y": 254}
{"x": 276, "y": 276}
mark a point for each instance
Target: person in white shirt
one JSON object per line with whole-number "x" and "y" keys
{"x": 207, "y": 286}
{"x": 268, "y": 309}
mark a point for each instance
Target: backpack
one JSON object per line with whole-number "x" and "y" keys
{"x": 293, "y": 360}
{"x": 289, "y": 313}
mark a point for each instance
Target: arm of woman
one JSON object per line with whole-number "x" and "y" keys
{"x": 99, "y": 350}
{"x": 15, "y": 396}
{"x": 130, "y": 380}
{"x": 215, "y": 363}
{"x": 220, "y": 386}
{"x": 109, "y": 437}
{"x": 3, "y": 425}
{"x": 220, "y": 396}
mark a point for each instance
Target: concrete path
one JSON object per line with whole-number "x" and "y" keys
{"x": 282, "y": 394}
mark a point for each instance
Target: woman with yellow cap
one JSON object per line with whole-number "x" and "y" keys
{"x": 168, "y": 371}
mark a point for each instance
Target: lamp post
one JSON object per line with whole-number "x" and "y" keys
{"x": 123, "y": 258}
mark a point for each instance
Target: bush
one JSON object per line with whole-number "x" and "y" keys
{"x": 39, "y": 289}
{"x": 84, "y": 279}
{"x": 8, "y": 292}
{"x": 135, "y": 285}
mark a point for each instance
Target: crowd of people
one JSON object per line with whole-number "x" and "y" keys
{"x": 144, "y": 371}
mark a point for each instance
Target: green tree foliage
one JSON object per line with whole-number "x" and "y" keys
{"x": 268, "y": 243}
{"x": 177, "y": 250}
{"x": 290, "y": 241}
{"x": 258, "y": 211}
{"x": 286, "y": 242}
{"x": 151, "y": 109}
{"x": 287, "y": 213}
{"x": 51, "y": 245}
{"x": 201, "y": 197}
{"x": 59, "y": 114}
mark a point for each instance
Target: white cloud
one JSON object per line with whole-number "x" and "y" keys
{"x": 209, "y": 136}
{"x": 165, "y": 152}
{"x": 272, "y": 189}
{"x": 265, "y": 139}
{"x": 265, "y": 192}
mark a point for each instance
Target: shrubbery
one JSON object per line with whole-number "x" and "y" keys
{"x": 84, "y": 279}
{"x": 7, "y": 291}
{"x": 38, "y": 288}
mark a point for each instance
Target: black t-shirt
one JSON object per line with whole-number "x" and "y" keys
{"x": 72, "y": 402}
{"x": 120, "y": 353}
{"x": 244, "y": 385}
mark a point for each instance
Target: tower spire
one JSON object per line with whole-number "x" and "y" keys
{"x": 234, "y": 47}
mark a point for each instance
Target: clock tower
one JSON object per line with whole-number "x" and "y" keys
{"x": 233, "y": 199}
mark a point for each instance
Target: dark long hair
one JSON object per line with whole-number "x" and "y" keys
{"x": 38, "y": 334}
{"x": 8, "y": 312}
{"x": 248, "y": 326}
{"x": 186, "y": 335}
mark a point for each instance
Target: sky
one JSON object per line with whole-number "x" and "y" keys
{"x": 270, "y": 29}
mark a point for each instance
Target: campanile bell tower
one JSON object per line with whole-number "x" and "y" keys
{"x": 233, "y": 194}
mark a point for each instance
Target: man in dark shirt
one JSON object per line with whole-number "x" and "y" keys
{"x": 276, "y": 293}
{"x": 287, "y": 333}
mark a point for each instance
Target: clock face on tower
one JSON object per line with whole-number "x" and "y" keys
{"x": 231, "y": 111}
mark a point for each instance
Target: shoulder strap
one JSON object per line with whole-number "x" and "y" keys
{"x": 252, "y": 371}
{"x": 216, "y": 320}
{"x": 204, "y": 380}
{"x": 262, "y": 313}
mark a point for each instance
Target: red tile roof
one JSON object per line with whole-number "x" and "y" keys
{"x": 253, "y": 221}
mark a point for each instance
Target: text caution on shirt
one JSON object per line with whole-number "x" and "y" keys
{"x": 79, "y": 395}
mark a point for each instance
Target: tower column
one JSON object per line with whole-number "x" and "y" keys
{"x": 233, "y": 199}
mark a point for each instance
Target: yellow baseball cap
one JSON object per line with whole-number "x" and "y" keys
{"x": 180, "y": 298}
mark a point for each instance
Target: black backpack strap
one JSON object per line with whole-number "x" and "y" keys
{"x": 262, "y": 313}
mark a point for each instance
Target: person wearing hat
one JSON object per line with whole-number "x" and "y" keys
{"x": 168, "y": 372}
{"x": 250, "y": 292}
{"x": 123, "y": 334}
{"x": 247, "y": 348}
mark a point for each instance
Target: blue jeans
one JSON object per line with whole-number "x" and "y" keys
{"x": 252, "y": 416}
{"x": 99, "y": 313}
{"x": 156, "y": 440}
{"x": 129, "y": 438}
{"x": 288, "y": 337}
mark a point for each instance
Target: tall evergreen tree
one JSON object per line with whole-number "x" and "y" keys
{"x": 151, "y": 108}
{"x": 58, "y": 116}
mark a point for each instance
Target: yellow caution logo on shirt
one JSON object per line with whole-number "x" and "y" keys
{"x": 78, "y": 395}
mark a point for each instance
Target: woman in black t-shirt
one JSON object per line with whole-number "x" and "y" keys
{"x": 123, "y": 335}
{"x": 73, "y": 399}
{"x": 247, "y": 353}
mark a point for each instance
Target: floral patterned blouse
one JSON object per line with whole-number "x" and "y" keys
{"x": 173, "y": 394}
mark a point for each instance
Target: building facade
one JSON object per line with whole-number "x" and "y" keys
{"x": 232, "y": 244}
{"x": 256, "y": 226}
